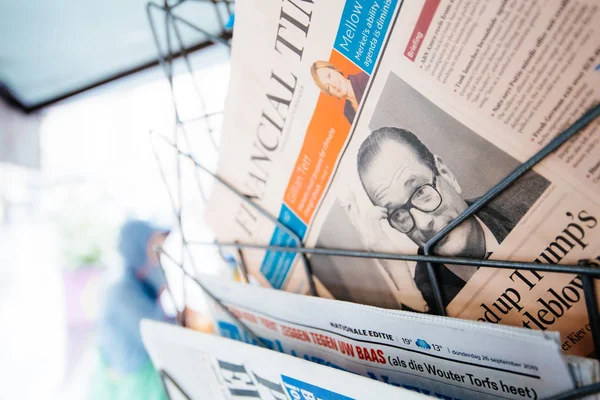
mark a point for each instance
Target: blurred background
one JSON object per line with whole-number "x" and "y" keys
{"x": 82, "y": 95}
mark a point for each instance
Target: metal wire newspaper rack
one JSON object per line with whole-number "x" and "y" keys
{"x": 588, "y": 270}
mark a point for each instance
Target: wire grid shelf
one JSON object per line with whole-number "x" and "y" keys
{"x": 586, "y": 269}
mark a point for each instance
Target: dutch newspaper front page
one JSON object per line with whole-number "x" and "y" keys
{"x": 438, "y": 356}
{"x": 373, "y": 124}
{"x": 201, "y": 366}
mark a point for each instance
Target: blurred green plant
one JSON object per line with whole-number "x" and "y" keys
{"x": 87, "y": 225}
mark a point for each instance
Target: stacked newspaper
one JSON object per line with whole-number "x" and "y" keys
{"x": 199, "y": 366}
{"x": 371, "y": 125}
{"x": 437, "y": 356}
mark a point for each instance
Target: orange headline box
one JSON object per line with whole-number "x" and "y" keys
{"x": 325, "y": 138}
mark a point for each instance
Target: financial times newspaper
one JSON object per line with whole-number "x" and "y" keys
{"x": 373, "y": 124}
{"x": 442, "y": 357}
{"x": 208, "y": 367}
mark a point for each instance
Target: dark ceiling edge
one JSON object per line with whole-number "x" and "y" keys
{"x": 8, "y": 95}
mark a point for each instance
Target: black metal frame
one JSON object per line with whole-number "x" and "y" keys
{"x": 166, "y": 377}
{"x": 585, "y": 268}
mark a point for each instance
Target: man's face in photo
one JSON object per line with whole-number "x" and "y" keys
{"x": 392, "y": 181}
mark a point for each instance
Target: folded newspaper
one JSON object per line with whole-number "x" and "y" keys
{"x": 200, "y": 366}
{"x": 372, "y": 124}
{"x": 443, "y": 357}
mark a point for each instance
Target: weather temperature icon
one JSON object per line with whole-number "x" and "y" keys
{"x": 423, "y": 344}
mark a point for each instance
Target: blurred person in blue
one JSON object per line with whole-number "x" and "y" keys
{"x": 126, "y": 371}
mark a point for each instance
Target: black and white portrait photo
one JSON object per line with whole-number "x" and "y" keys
{"x": 417, "y": 172}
